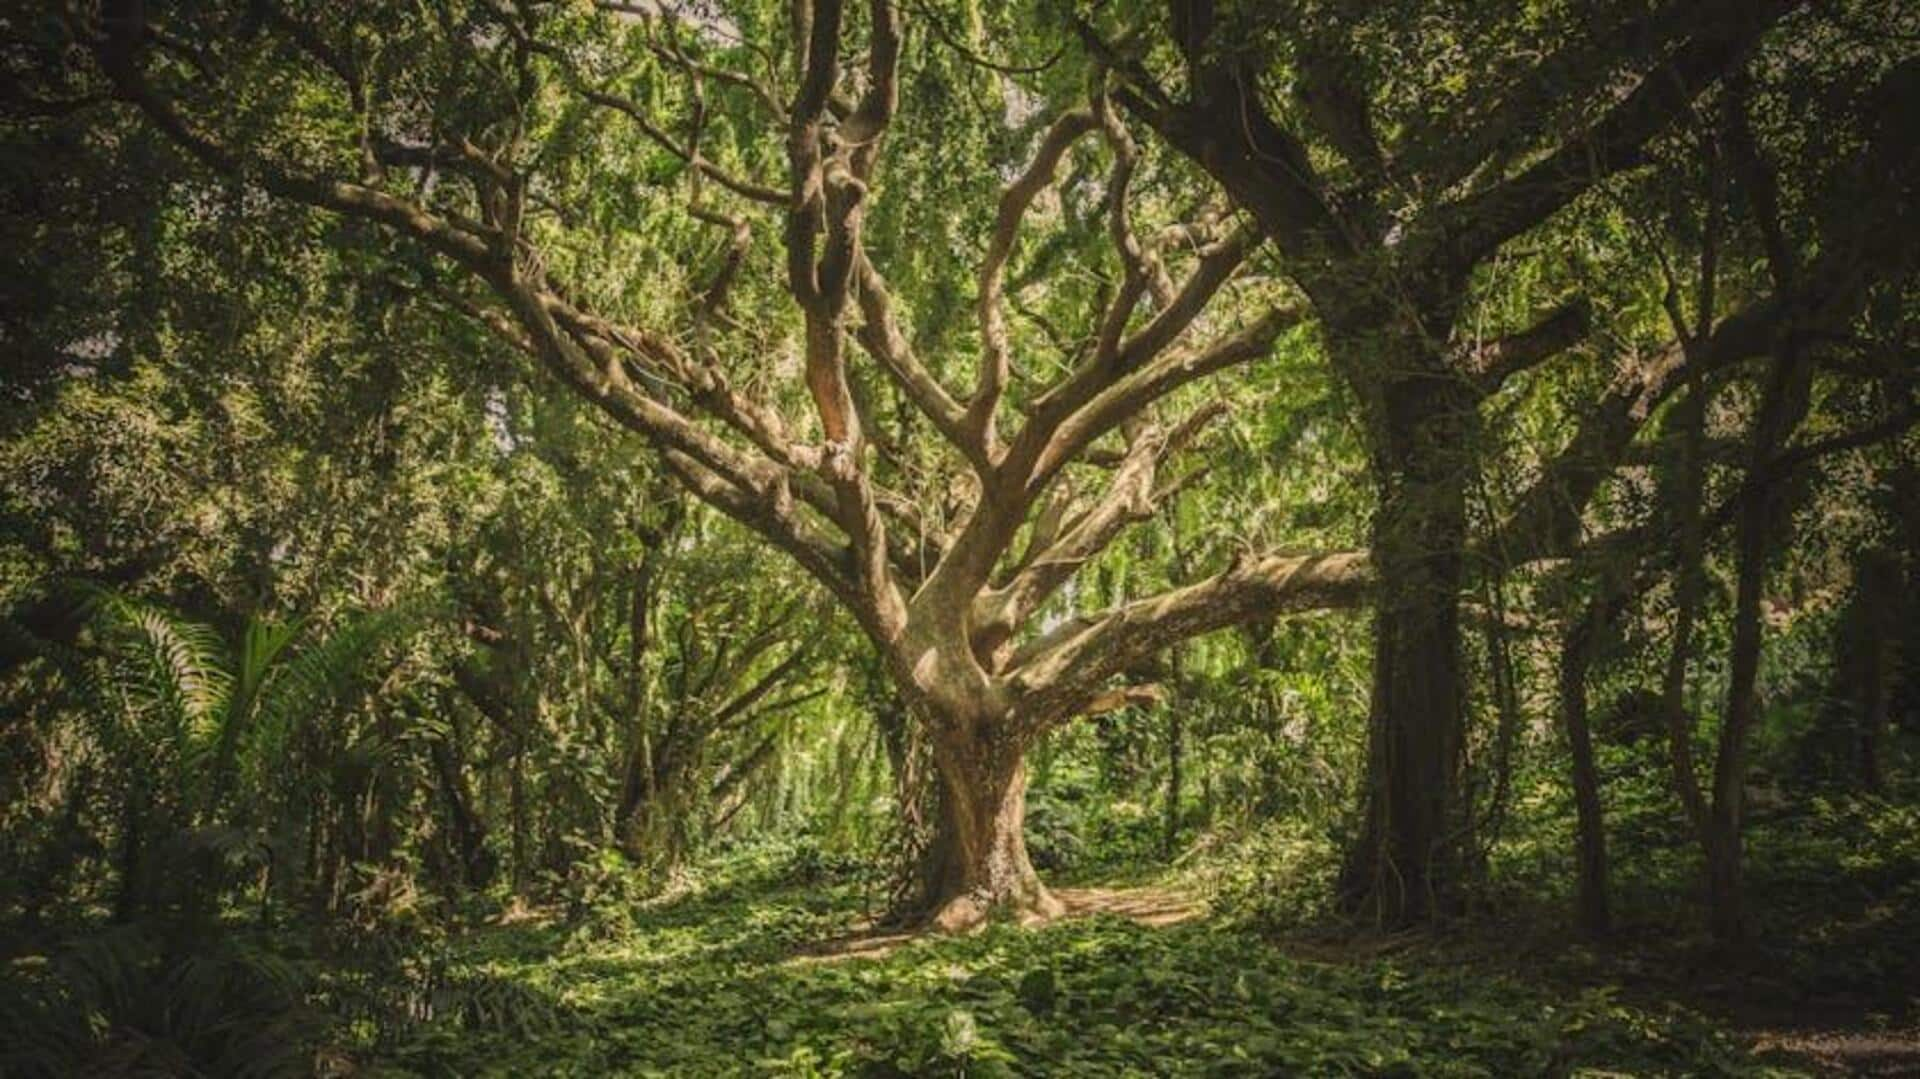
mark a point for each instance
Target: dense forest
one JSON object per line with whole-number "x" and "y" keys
{"x": 937, "y": 537}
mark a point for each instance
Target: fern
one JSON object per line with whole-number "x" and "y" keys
{"x": 173, "y": 669}
{"x": 205, "y": 730}
{"x": 303, "y": 686}
{"x": 113, "y": 1004}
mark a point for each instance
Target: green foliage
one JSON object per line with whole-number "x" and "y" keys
{"x": 1275, "y": 876}
{"x": 119, "y": 1004}
{"x": 710, "y": 985}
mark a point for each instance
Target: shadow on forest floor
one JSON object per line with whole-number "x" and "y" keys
{"x": 1833, "y": 994}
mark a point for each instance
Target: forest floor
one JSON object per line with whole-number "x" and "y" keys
{"x": 766, "y": 961}
{"x": 1784, "y": 1018}
{"x": 782, "y": 974}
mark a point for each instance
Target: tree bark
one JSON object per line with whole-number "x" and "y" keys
{"x": 469, "y": 829}
{"x": 1763, "y": 521}
{"x": 1725, "y": 900}
{"x": 1869, "y": 662}
{"x": 976, "y": 864}
{"x": 1576, "y": 658}
{"x": 1507, "y": 728}
{"x": 129, "y": 898}
{"x": 1176, "y": 748}
{"x": 1405, "y": 867}
{"x": 517, "y": 814}
{"x": 907, "y": 759}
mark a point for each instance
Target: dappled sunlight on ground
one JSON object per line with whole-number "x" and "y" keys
{"x": 1845, "y": 1052}
{"x": 1152, "y": 906}
{"x": 1149, "y": 906}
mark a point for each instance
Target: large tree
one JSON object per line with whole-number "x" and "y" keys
{"x": 950, "y": 536}
{"x": 1400, "y": 157}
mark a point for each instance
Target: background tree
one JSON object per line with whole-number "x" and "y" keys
{"x": 1397, "y": 204}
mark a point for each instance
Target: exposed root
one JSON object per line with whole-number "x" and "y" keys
{"x": 1154, "y": 907}
{"x": 968, "y": 912}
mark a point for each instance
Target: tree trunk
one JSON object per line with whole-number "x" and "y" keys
{"x": 1873, "y": 715}
{"x": 976, "y": 864}
{"x": 1506, "y": 731}
{"x": 469, "y": 830}
{"x": 1175, "y": 750}
{"x": 637, "y": 785}
{"x": 1726, "y": 898}
{"x": 907, "y": 761}
{"x": 1575, "y": 660}
{"x": 129, "y": 900}
{"x": 1405, "y": 867}
{"x": 1870, "y": 636}
{"x": 1689, "y": 587}
{"x": 517, "y": 814}
{"x": 1763, "y": 521}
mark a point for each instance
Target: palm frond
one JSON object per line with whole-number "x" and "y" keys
{"x": 265, "y": 639}
{"x": 261, "y": 646}
{"x": 166, "y": 668}
{"x": 303, "y": 686}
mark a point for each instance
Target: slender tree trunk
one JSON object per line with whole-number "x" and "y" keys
{"x": 517, "y": 813}
{"x": 1903, "y": 695}
{"x": 1873, "y": 715}
{"x": 638, "y": 776}
{"x": 1726, "y": 905}
{"x": 1176, "y": 748}
{"x": 976, "y": 863}
{"x": 1725, "y": 899}
{"x": 1689, "y": 586}
{"x": 333, "y": 852}
{"x": 469, "y": 830}
{"x": 1507, "y": 728}
{"x": 1763, "y": 521}
{"x": 128, "y": 901}
{"x": 1576, "y": 658}
{"x": 1870, "y": 640}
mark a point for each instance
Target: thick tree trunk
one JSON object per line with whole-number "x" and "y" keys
{"x": 976, "y": 864}
{"x": 1405, "y": 867}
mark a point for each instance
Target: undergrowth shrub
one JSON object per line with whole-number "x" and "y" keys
{"x": 1273, "y": 876}
{"x": 117, "y": 1003}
